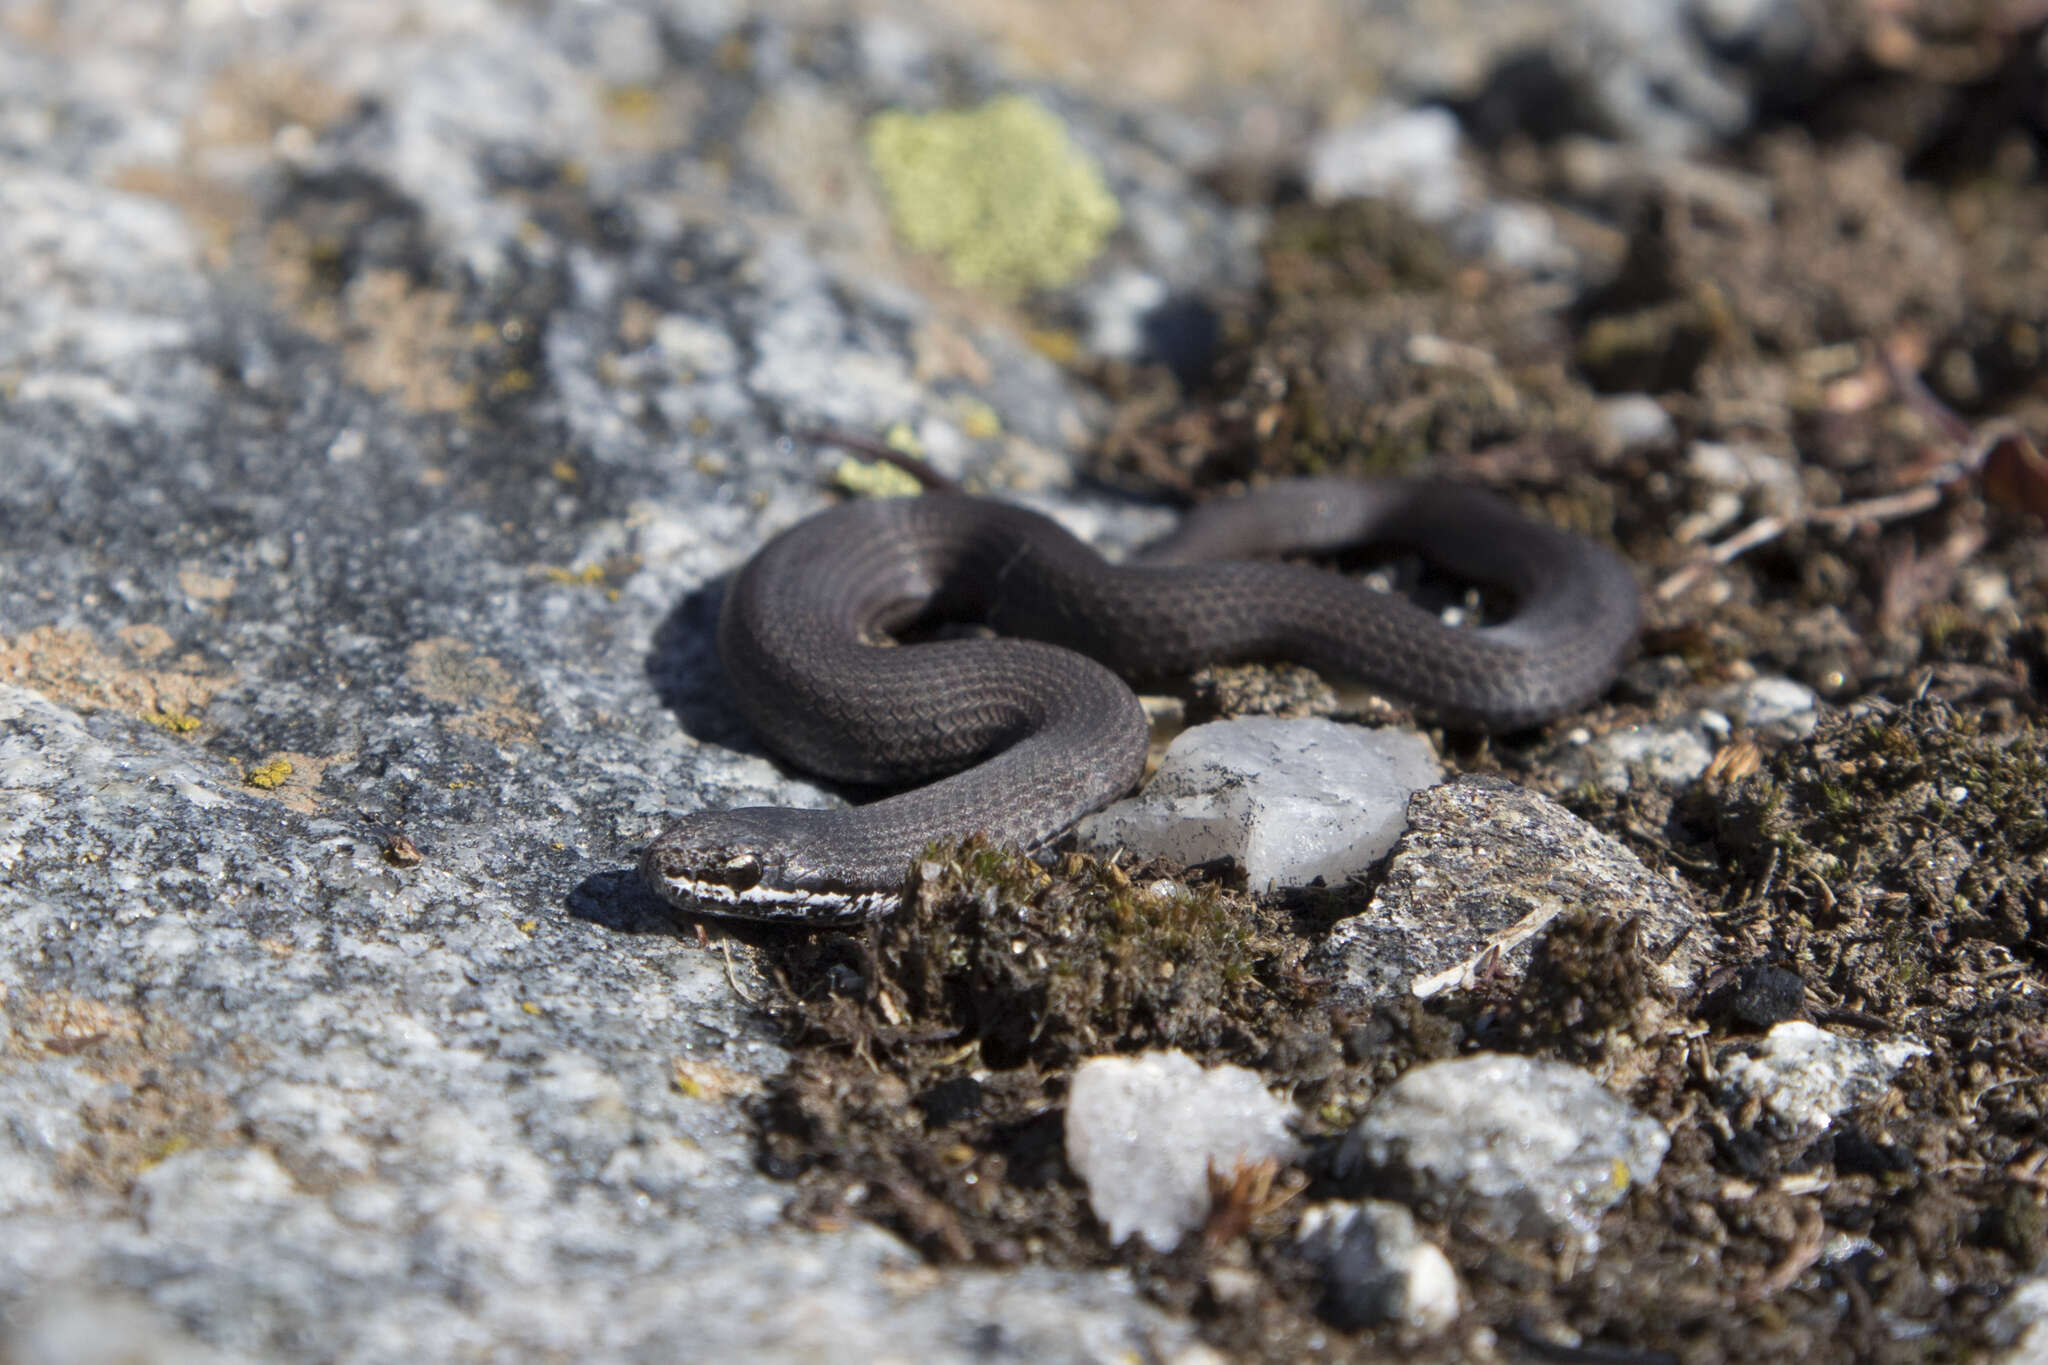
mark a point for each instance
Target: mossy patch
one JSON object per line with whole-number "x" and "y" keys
{"x": 1371, "y": 350}
{"x": 1052, "y": 969}
{"x": 936, "y": 1046}
{"x": 1905, "y": 843}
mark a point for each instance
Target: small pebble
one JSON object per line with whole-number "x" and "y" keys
{"x": 1806, "y": 1077}
{"x": 1629, "y": 420}
{"x": 1523, "y": 1146}
{"x": 1765, "y": 994}
{"x": 1293, "y": 801}
{"x": 1776, "y": 706}
{"x": 1143, "y": 1133}
{"x": 1377, "y": 1268}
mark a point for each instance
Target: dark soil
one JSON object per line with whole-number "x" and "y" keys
{"x": 1863, "y": 310}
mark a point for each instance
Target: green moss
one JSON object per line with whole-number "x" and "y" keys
{"x": 932, "y": 1050}
{"x": 1057, "y": 967}
{"x": 1360, "y": 248}
{"x": 999, "y": 193}
{"x": 1896, "y": 825}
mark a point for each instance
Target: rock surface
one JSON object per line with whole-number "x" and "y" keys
{"x": 383, "y": 392}
{"x": 1484, "y": 866}
{"x": 1528, "y": 1147}
{"x": 2020, "y": 1327}
{"x": 263, "y": 1074}
{"x": 1293, "y": 801}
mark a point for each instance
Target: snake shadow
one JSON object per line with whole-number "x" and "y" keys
{"x": 682, "y": 667}
{"x": 617, "y": 900}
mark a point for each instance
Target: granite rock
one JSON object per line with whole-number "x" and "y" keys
{"x": 383, "y": 393}
{"x": 1518, "y": 1145}
{"x": 1482, "y": 869}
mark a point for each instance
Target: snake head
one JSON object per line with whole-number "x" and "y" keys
{"x": 743, "y": 864}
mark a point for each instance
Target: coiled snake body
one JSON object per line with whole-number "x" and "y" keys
{"x": 1027, "y": 733}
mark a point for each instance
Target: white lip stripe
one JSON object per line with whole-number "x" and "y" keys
{"x": 769, "y": 900}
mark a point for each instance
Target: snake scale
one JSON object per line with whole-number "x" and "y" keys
{"x": 1019, "y": 736}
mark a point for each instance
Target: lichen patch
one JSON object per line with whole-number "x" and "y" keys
{"x": 68, "y": 665}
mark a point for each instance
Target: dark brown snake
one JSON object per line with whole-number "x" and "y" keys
{"x": 1026, "y": 734}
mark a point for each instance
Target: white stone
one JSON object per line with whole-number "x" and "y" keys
{"x": 1775, "y": 705}
{"x": 1632, "y": 419}
{"x": 1409, "y": 155}
{"x": 1291, "y": 800}
{"x": 1807, "y": 1077}
{"x": 1530, "y": 1148}
{"x": 1143, "y": 1133}
{"x": 1985, "y": 589}
{"x": 1675, "y": 751}
{"x": 1747, "y": 469}
{"x": 2021, "y": 1323}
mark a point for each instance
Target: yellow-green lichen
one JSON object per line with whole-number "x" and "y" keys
{"x": 980, "y": 421}
{"x": 874, "y": 479}
{"x": 589, "y": 576}
{"x": 271, "y": 775}
{"x": 999, "y": 193}
{"x": 879, "y": 478}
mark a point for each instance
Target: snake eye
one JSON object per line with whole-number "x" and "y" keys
{"x": 741, "y": 873}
